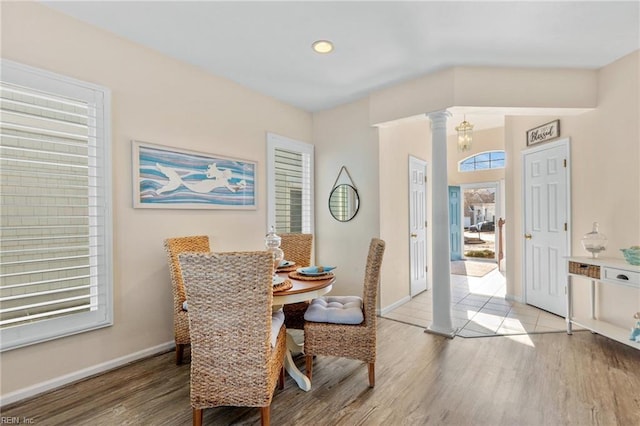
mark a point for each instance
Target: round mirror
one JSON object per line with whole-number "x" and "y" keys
{"x": 344, "y": 202}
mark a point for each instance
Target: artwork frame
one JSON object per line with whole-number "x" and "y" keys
{"x": 543, "y": 133}
{"x": 166, "y": 177}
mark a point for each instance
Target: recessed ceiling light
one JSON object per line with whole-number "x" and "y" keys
{"x": 322, "y": 46}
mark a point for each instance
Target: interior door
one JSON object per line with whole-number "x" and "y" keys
{"x": 418, "y": 225}
{"x": 455, "y": 227}
{"x": 546, "y": 211}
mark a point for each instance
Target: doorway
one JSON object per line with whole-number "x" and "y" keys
{"x": 546, "y": 193}
{"x": 481, "y": 207}
{"x": 417, "y": 225}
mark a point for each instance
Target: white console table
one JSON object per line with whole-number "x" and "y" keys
{"x": 609, "y": 272}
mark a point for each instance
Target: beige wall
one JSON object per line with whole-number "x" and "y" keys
{"x": 483, "y": 140}
{"x": 485, "y": 87}
{"x": 397, "y": 143}
{"x": 605, "y": 178}
{"x": 158, "y": 100}
{"x": 343, "y": 137}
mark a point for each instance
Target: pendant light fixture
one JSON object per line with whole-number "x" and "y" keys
{"x": 465, "y": 135}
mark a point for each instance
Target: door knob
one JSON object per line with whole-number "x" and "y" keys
{"x": 414, "y": 235}
{"x": 527, "y": 236}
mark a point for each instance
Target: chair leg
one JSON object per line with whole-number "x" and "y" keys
{"x": 372, "y": 374}
{"x": 197, "y": 416}
{"x": 309, "y": 365}
{"x": 179, "y": 353}
{"x": 265, "y": 415}
{"x": 281, "y": 379}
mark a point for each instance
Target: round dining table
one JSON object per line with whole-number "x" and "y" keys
{"x": 301, "y": 290}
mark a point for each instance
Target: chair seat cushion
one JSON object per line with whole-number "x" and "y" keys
{"x": 336, "y": 310}
{"x": 277, "y": 319}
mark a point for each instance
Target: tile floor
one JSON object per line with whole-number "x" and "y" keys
{"x": 479, "y": 309}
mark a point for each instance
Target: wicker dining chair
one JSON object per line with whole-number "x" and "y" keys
{"x": 236, "y": 354}
{"x": 355, "y": 341}
{"x": 173, "y": 247}
{"x": 296, "y": 248}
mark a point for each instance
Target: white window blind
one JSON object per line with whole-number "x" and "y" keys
{"x": 55, "y": 221}
{"x": 290, "y": 182}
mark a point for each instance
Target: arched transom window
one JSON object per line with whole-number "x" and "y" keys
{"x": 483, "y": 161}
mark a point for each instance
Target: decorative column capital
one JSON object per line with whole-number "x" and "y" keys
{"x": 438, "y": 118}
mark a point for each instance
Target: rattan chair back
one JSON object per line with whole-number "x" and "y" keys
{"x": 230, "y": 297}
{"x": 297, "y": 248}
{"x": 372, "y": 281}
{"x": 173, "y": 247}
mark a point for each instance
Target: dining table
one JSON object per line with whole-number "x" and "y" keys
{"x": 302, "y": 289}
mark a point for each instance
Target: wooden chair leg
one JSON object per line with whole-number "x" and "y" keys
{"x": 179, "y": 353}
{"x": 281, "y": 379}
{"x": 197, "y": 416}
{"x": 372, "y": 374}
{"x": 309, "y": 365}
{"x": 265, "y": 414}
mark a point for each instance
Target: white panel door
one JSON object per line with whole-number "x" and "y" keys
{"x": 546, "y": 212}
{"x": 418, "y": 225}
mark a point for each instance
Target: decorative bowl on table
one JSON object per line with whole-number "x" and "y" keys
{"x": 315, "y": 270}
{"x": 632, "y": 255}
{"x": 286, "y": 263}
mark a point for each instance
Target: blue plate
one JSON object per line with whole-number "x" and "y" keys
{"x": 314, "y": 271}
{"x": 286, "y": 263}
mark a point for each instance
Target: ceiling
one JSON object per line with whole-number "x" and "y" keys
{"x": 266, "y": 45}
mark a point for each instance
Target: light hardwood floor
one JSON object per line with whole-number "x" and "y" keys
{"x": 421, "y": 379}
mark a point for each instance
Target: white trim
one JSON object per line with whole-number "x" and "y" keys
{"x": 66, "y": 379}
{"x": 566, "y": 143}
{"x": 386, "y": 310}
{"x": 98, "y": 97}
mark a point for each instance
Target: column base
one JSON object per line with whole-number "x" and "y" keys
{"x": 450, "y": 334}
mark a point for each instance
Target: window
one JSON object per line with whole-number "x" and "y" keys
{"x": 55, "y": 222}
{"x": 483, "y": 161}
{"x": 290, "y": 185}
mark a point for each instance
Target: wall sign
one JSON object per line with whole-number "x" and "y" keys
{"x": 543, "y": 133}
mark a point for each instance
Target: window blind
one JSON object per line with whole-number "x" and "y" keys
{"x": 54, "y": 233}
{"x": 290, "y": 185}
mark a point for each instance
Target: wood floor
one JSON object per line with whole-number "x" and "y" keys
{"x": 421, "y": 379}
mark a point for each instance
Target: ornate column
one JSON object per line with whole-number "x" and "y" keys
{"x": 441, "y": 268}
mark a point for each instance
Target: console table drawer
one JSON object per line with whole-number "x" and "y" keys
{"x": 621, "y": 276}
{"x": 591, "y": 271}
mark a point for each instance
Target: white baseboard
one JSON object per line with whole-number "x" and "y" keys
{"x": 391, "y": 307}
{"x": 48, "y": 385}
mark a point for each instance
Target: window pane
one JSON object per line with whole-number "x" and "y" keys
{"x": 497, "y": 164}
{"x": 483, "y": 161}
{"x": 497, "y": 155}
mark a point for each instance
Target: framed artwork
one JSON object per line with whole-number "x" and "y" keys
{"x": 543, "y": 133}
{"x": 172, "y": 178}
